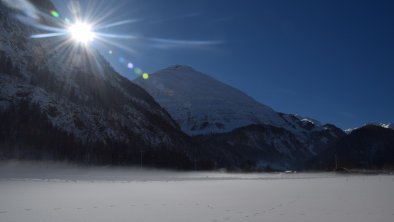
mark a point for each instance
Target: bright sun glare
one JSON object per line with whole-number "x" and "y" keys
{"x": 81, "y": 32}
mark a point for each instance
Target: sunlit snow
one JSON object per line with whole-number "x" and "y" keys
{"x": 60, "y": 193}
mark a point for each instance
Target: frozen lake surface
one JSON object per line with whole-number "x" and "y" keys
{"x": 62, "y": 193}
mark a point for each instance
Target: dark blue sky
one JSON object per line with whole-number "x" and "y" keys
{"x": 330, "y": 60}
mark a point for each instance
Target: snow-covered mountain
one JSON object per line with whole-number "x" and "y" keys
{"x": 232, "y": 127}
{"x": 51, "y": 96}
{"x": 68, "y": 103}
{"x": 202, "y": 106}
{"x": 384, "y": 125}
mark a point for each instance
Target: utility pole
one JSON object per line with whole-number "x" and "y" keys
{"x": 336, "y": 162}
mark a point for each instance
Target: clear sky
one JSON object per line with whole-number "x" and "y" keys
{"x": 332, "y": 60}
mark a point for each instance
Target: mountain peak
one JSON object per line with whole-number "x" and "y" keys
{"x": 382, "y": 125}
{"x": 202, "y": 104}
{"x": 179, "y": 67}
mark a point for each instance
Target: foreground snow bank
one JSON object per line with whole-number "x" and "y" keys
{"x": 37, "y": 193}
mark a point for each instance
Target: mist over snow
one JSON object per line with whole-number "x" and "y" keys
{"x": 60, "y": 192}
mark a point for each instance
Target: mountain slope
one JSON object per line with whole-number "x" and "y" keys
{"x": 202, "y": 106}
{"x": 256, "y": 146}
{"x": 76, "y": 93}
{"x": 67, "y": 103}
{"x": 370, "y": 146}
{"x": 384, "y": 125}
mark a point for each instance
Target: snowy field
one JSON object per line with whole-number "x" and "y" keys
{"x": 38, "y": 193}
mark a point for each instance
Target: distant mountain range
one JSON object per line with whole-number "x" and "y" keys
{"x": 217, "y": 114}
{"x": 383, "y": 125}
{"x": 371, "y": 146}
{"x": 64, "y": 104}
{"x": 228, "y": 121}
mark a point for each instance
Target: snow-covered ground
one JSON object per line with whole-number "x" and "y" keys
{"x": 62, "y": 193}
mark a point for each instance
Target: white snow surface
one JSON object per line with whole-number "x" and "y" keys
{"x": 41, "y": 194}
{"x": 202, "y": 105}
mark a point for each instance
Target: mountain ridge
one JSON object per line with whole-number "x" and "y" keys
{"x": 368, "y": 147}
{"x": 69, "y": 104}
{"x": 189, "y": 95}
{"x": 216, "y": 113}
{"x": 78, "y": 98}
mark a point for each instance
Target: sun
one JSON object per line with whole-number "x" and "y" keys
{"x": 81, "y": 32}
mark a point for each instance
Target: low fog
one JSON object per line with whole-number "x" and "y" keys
{"x": 62, "y": 192}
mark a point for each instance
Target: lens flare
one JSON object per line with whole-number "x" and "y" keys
{"x": 130, "y": 65}
{"x": 55, "y": 14}
{"x": 85, "y": 26}
{"x": 137, "y": 71}
{"x": 145, "y": 76}
{"x": 122, "y": 59}
{"x": 82, "y": 32}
